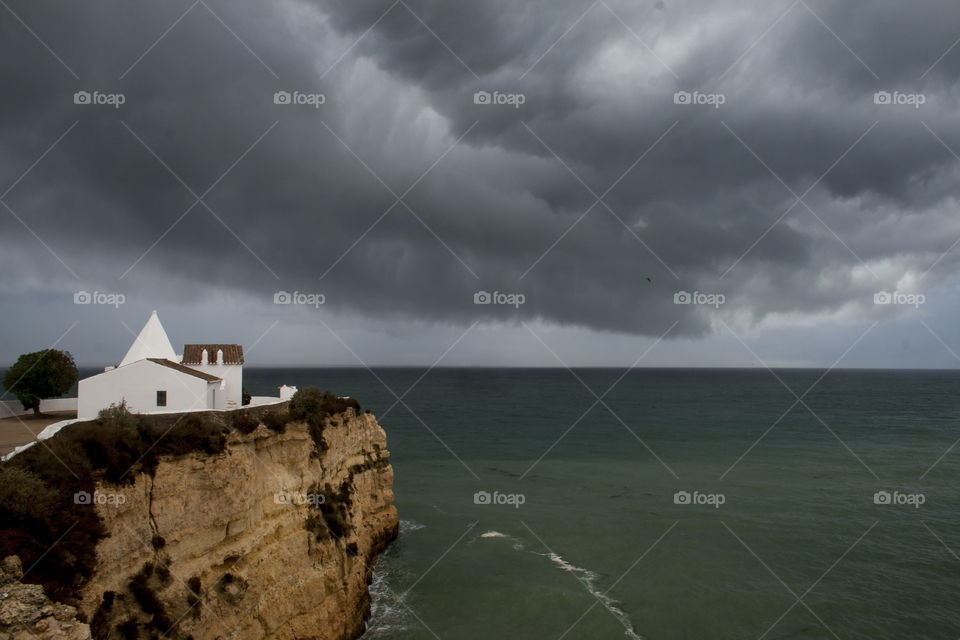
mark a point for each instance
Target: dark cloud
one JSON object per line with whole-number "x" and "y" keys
{"x": 691, "y": 194}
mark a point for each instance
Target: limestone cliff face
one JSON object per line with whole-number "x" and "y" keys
{"x": 268, "y": 540}
{"x": 27, "y": 614}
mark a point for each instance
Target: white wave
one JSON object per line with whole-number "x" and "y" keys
{"x": 585, "y": 576}
{"x": 409, "y": 526}
{"x": 589, "y": 580}
{"x": 517, "y": 544}
{"x": 388, "y": 612}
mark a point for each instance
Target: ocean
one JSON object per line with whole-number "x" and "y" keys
{"x": 685, "y": 503}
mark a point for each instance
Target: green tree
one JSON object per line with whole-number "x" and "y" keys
{"x": 41, "y": 374}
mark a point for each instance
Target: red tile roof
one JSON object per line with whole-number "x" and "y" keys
{"x": 193, "y": 353}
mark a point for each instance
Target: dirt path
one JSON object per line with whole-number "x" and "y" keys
{"x": 17, "y": 431}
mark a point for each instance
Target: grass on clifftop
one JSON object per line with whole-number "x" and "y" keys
{"x": 46, "y": 492}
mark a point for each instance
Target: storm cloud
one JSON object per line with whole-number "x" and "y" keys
{"x": 795, "y": 158}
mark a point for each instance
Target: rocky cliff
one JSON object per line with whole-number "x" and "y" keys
{"x": 26, "y": 613}
{"x": 273, "y": 538}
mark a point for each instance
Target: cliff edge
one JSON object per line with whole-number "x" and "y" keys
{"x": 273, "y": 536}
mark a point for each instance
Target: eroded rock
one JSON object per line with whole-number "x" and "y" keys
{"x": 27, "y": 614}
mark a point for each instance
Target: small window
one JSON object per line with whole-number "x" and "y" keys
{"x": 161, "y": 398}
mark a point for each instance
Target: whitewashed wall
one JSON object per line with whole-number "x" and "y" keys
{"x": 10, "y": 408}
{"x": 232, "y": 375}
{"x": 138, "y": 384}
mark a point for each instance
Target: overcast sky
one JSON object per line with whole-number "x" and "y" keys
{"x": 589, "y": 162}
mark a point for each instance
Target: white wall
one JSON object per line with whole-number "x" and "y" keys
{"x": 232, "y": 375}
{"x": 138, "y": 383}
{"x": 10, "y": 408}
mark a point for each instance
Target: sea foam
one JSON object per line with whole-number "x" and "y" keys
{"x": 586, "y": 577}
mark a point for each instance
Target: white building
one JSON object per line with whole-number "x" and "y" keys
{"x": 223, "y": 361}
{"x": 150, "y": 385}
{"x": 151, "y": 378}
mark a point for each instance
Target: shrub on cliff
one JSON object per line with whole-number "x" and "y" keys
{"x": 232, "y": 588}
{"x": 316, "y": 525}
{"x": 189, "y": 433}
{"x": 244, "y": 422}
{"x": 334, "y": 512}
{"x": 100, "y": 624}
{"x": 142, "y": 586}
{"x": 275, "y": 421}
{"x": 314, "y": 406}
{"x": 307, "y": 405}
{"x": 112, "y": 443}
{"x": 194, "y": 433}
{"x": 195, "y": 590}
{"x": 129, "y": 629}
{"x": 335, "y": 404}
{"x": 27, "y": 507}
{"x": 121, "y": 444}
{"x": 24, "y": 499}
{"x": 53, "y": 533}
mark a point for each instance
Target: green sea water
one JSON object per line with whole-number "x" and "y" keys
{"x": 787, "y": 533}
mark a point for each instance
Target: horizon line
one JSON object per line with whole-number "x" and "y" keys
{"x": 563, "y": 368}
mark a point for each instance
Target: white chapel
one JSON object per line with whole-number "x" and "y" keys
{"x": 152, "y": 378}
